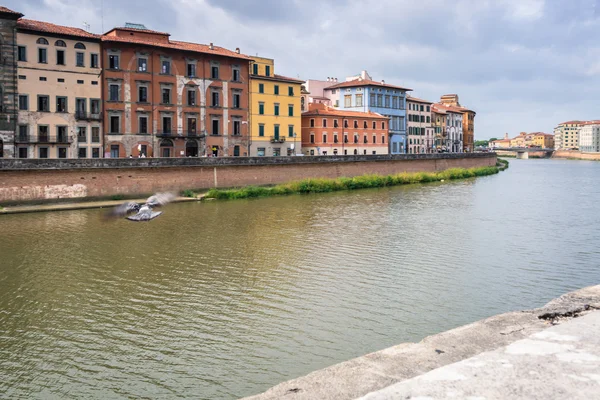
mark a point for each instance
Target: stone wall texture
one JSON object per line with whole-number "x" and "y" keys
{"x": 35, "y": 180}
{"x": 575, "y": 154}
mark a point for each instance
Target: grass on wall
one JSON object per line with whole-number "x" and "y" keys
{"x": 324, "y": 185}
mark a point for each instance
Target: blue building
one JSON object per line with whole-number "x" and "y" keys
{"x": 363, "y": 94}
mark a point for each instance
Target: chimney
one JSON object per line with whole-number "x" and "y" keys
{"x": 211, "y": 46}
{"x": 336, "y": 79}
{"x": 382, "y": 82}
{"x": 237, "y": 50}
{"x": 328, "y": 79}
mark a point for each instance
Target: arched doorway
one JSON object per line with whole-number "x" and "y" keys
{"x": 191, "y": 148}
{"x": 166, "y": 148}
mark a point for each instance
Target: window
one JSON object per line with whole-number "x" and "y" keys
{"x": 95, "y": 83}
{"x": 324, "y": 123}
{"x": 394, "y": 102}
{"x": 345, "y": 123}
{"x": 261, "y": 108}
{"x": 113, "y": 94}
{"x": 291, "y": 131}
{"x": 61, "y": 104}
{"x": 82, "y": 152}
{"x": 166, "y": 124}
{"x": 43, "y": 135}
{"x": 290, "y": 91}
{"x": 62, "y": 152}
{"x": 387, "y": 101}
{"x": 142, "y": 94}
{"x": 42, "y": 56}
{"x": 312, "y": 123}
{"x": 191, "y": 70}
{"x": 359, "y": 100}
{"x": 237, "y": 127}
{"x": 95, "y": 134}
{"x": 165, "y": 67}
{"x": 43, "y": 79}
{"x": 365, "y": 140}
{"x": 113, "y": 61}
{"x": 21, "y": 53}
{"x": 382, "y": 138}
{"x": 142, "y": 64}
{"x": 355, "y": 138}
{"x": 191, "y": 97}
{"x": 355, "y": 124}
{"x": 348, "y": 100}
{"x": 23, "y": 102}
{"x": 324, "y": 138}
{"x": 43, "y": 103}
{"x": 379, "y": 100}
{"x": 166, "y": 96}
{"x": 23, "y": 130}
{"x": 335, "y": 123}
{"x": 94, "y": 60}
{"x": 261, "y": 88}
{"x": 428, "y": 109}
{"x": 81, "y": 134}
{"x": 143, "y": 124}
{"x": 261, "y": 128}
{"x": 236, "y": 75}
{"x": 374, "y": 125}
{"x": 80, "y": 81}
{"x": 42, "y": 41}
{"x": 276, "y": 109}
{"x": 215, "y": 99}
{"x": 95, "y": 152}
{"x": 22, "y": 152}
{"x": 312, "y": 137}
{"x": 236, "y": 100}
{"x": 80, "y": 59}
{"x": 276, "y": 131}
{"x": 335, "y": 138}
{"x": 95, "y": 106}
{"x": 80, "y": 45}
{"x": 364, "y": 124}
{"x": 260, "y": 152}
{"x": 267, "y": 70}
{"x": 276, "y": 152}
{"x": 374, "y": 139}
{"x": 255, "y": 69}
{"x": 115, "y": 124}
{"x": 290, "y": 110}
{"x": 214, "y": 72}
{"x": 60, "y": 57}
{"x": 373, "y": 100}
{"x": 422, "y": 108}
{"x": 43, "y": 152}
{"x": 215, "y": 126}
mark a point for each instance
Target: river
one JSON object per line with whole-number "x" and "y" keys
{"x": 220, "y": 300}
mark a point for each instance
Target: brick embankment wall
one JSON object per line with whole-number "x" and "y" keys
{"x": 576, "y": 154}
{"x": 47, "y": 180}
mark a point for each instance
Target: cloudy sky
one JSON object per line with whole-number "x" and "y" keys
{"x": 523, "y": 65}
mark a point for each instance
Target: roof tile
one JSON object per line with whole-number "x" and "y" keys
{"x": 365, "y": 82}
{"x": 46, "y": 27}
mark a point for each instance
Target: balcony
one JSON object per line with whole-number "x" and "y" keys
{"x": 43, "y": 139}
{"x": 277, "y": 139}
{"x": 82, "y": 115}
{"x": 166, "y": 134}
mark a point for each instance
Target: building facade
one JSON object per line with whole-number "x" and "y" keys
{"x": 438, "y": 122}
{"x": 543, "y": 140}
{"x": 589, "y": 137}
{"x": 420, "y": 128}
{"x": 331, "y": 131}
{"x": 275, "y": 111}
{"x": 166, "y": 98}
{"x": 60, "y": 92}
{"x": 8, "y": 81}
{"x": 468, "y": 123}
{"x": 453, "y": 141}
{"x": 361, "y": 94}
{"x": 566, "y": 135}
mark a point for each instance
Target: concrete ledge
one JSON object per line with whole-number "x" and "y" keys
{"x": 375, "y": 371}
{"x": 18, "y": 164}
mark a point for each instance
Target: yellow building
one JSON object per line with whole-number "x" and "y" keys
{"x": 543, "y": 140}
{"x": 275, "y": 111}
{"x": 519, "y": 141}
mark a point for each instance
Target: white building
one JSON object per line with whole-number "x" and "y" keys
{"x": 589, "y": 137}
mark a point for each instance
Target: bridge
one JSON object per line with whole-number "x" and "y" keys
{"x": 523, "y": 153}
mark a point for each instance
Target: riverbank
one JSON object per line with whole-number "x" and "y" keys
{"x": 324, "y": 185}
{"x": 393, "y": 372}
{"x": 576, "y": 155}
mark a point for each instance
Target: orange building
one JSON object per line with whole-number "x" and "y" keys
{"x": 329, "y": 131}
{"x": 166, "y": 98}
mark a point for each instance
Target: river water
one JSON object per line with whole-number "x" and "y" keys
{"x": 220, "y": 300}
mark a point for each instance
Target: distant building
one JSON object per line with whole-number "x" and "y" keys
{"x": 331, "y": 131}
{"x": 454, "y": 127}
{"x": 362, "y": 94}
{"x": 543, "y": 140}
{"x": 500, "y": 143}
{"x": 420, "y": 129}
{"x": 566, "y": 135}
{"x": 589, "y": 137}
{"x": 438, "y": 122}
{"x": 60, "y": 91}
{"x": 275, "y": 104}
{"x": 468, "y": 123}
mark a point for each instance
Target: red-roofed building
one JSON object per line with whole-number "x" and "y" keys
{"x": 167, "y": 98}
{"x": 8, "y": 81}
{"x": 331, "y": 131}
{"x": 453, "y": 140}
{"x": 60, "y": 95}
{"x": 468, "y": 123}
{"x": 420, "y": 129}
{"x": 566, "y": 135}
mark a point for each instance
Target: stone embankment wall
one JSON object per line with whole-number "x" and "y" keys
{"x": 576, "y": 154}
{"x": 530, "y": 154}
{"x": 28, "y": 180}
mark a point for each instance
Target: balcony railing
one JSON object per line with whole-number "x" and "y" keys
{"x": 166, "y": 134}
{"x": 44, "y": 139}
{"x": 277, "y": 139}
{"x": 82, "y": 115}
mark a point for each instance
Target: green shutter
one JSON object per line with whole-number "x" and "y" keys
{"x": 291, "y": 111}
{"x": 291, "y": 131}
{"x": 261, "y": 130}
{"x": 261, "y": 109}
{"x": 276, "y": 131}
{"x": 276, "y": 90}
{"x": 261, "y": 88}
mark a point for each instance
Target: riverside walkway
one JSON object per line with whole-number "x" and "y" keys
{"x": 547, "y": 353}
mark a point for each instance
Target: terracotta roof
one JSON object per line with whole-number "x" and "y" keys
{"x": 176, "y": 45}
{"x": 320, "y": 97}
{"x": 501, "y": 140}
{"x": 334, "y": 112}
{"x": 365, "y": 82}
{"x": 447, "y": 108}
{"x": 129, "y": 29}
{"x": 417, "y": 100}
{"x": 437, "y": 109}
{"x": 46, "y": 27}
{"x": 8, "y": 11}
{"x": 571, "y": 122}
{"x": 278, "y": 78}
{"x": 594, "y": 122}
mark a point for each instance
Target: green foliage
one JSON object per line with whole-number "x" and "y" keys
{"x": 482, "y": 143}
{"x": 188, "y": 193}
{"x": 324, "y": 185}
{"x": 117, "y": 197}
